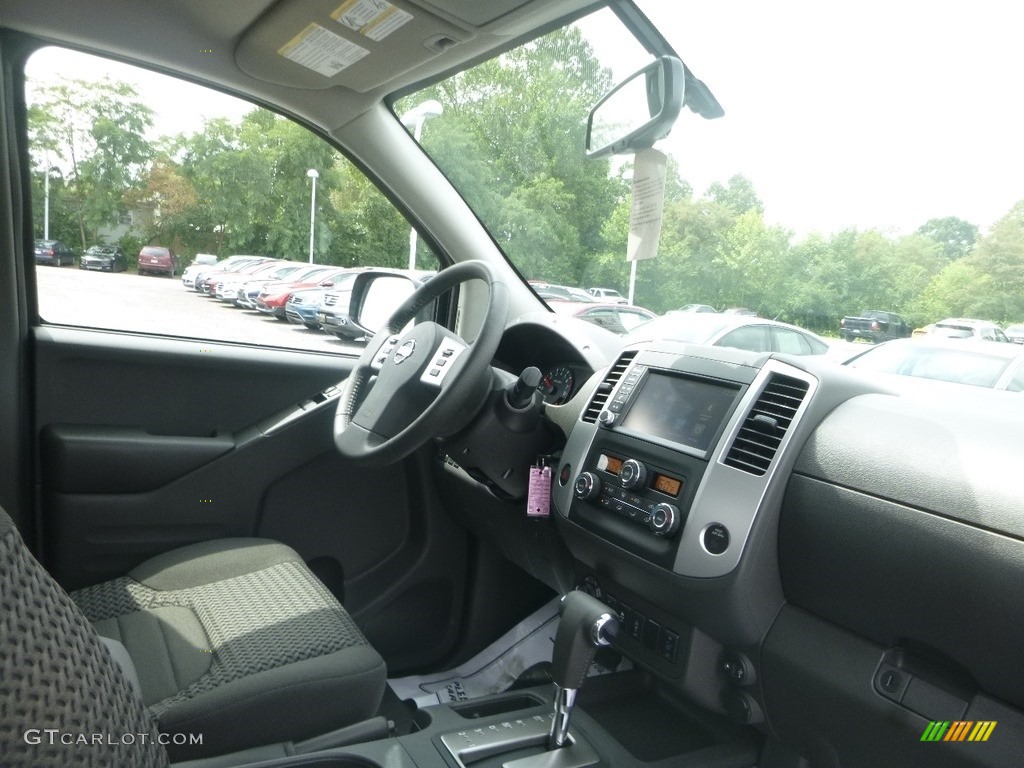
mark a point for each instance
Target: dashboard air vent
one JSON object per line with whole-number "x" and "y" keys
{"x": 762, "y": 431}
{"x": 604, "y": 389}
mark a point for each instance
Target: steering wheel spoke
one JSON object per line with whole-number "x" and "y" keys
{"x": 407, "y": 388}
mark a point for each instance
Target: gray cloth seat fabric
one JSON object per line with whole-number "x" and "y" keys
{"x": 58, "y": 683}
{"x": 237, "y": 640}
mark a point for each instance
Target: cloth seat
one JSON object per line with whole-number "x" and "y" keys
{"x": 233, "y": 639}
{"x": 56, "y": 674}
{"x": 236, "y": 639}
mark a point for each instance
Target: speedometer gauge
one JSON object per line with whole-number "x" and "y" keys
{"x": 556, "y": 385}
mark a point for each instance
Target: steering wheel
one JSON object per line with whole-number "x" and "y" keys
{"x": 429, "y": 382}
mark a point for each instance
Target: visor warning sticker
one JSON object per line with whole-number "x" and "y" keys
{"x": 375, "y": 19}
{"x": 322, "y": 51}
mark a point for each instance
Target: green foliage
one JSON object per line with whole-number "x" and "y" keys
{"x": 956, "y": 236}
{"x": 510, "y": 137}
{"x": 131, "y": 246}
{"x": 95, "y": 132}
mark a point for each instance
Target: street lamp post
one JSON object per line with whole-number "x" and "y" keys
{"x": 312, "y": 173}
{"x": 46, "y": 204}
{"x": 414, "y": 119}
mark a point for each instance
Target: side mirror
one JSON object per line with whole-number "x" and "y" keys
{"x": 376, "y": 296}
{"x": 638, "y": 111}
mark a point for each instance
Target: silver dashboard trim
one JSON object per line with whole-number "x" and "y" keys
{"x": 730, "y": 496}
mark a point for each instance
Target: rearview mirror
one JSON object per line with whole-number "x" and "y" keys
{"x": 638, "y": 111}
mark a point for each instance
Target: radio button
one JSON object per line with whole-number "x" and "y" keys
{"x": 606, "y": 417}
{"x": 587, "y": 486}
{"x": 633, "y": 474}
{"x": 664, "y": 519}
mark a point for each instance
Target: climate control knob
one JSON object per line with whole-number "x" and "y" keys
{"x": 633, "y": 474}
{"x": 664, "y": 519}
{"x": 587, "y": 486}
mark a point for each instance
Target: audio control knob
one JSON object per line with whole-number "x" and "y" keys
{"x": 632, "y": 474}
{"x": 606, "y": 417}
{"x": 664, "y": 519}
{"x": 587, "y": 486}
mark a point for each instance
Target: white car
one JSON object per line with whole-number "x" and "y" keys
{"x": 608, "y": 295}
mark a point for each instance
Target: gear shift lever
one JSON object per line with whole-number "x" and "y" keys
{"x": 586, "y": 624}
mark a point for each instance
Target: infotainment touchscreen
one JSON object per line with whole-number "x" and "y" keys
{"x": 683, "y": 410}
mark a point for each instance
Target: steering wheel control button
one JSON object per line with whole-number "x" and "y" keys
{"x": 633, "y": 474}
{"x": 442, "y": 362}
{"x": 716, "y": 538}
{"x": 891, "y": 682}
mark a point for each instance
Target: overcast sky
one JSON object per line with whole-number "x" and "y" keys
{"x": 870, "y": 114}
{"x": 867, "y": 114}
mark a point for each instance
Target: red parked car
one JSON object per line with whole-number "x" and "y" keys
{"x": 157, "y": 260}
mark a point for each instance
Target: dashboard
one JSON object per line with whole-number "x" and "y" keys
{"x": 756, "y": 519}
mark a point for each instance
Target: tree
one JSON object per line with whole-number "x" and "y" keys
{"x": 510, "y": 136}
{"x": 95, "y": 132}
{"x": 737, "y": 194}
{"x": 956, "y": 236}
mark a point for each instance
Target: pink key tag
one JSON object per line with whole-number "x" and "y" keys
{"x": 538, "y": 499}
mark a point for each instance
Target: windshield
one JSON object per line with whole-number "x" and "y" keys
{"x": 964, "y": 366}
{"x": 856, "y": 166}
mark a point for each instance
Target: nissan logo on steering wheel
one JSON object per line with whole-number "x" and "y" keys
{"x": 405, "y": 351}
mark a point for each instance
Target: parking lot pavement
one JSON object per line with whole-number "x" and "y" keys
{"x": 162, "y": 305}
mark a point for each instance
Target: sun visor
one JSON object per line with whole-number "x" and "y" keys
{"x": 475, "y": 12}
{"x": 357, "y": 44}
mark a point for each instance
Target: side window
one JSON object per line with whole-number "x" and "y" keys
{"x": 750, "y": 337}
{"x": 1017, "y": 382}
{"x": 791, "y": 342}
{"x": 156, "y": 202}
{"x": 630, "y": 319}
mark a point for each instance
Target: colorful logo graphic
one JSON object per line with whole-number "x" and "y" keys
{"x": 958, "y": 730}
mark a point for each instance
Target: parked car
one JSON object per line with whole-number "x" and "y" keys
{"x": 743, "y": 311}
{"x": 227, "y": 288}
{"x": 608, "y": 296}
{"x": 563, "y": 292}
{"x": 104, "y": 258}
{"x": 333, "y": 315}
{"x": 230, "y": 264}
{"x": 273, "y": 298}
{"x": 874, "y": 326}
{"x": 1015, "y": 333}
{"x": 206, "y": 282}
{"x": 248, "y": 295}
{"x": 979, "y": 363}
{"x": 965, "y": 328}
{"x": 739, "y": 331}
{"x": 615, "y": 317}
{"x": 302, "y": 306}
{"x": 696, "y": 308}
{"x": 158, "y": 260}
{"x": 54, "y": 253}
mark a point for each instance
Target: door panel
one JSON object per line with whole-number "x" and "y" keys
{"x": 146, "y": 444}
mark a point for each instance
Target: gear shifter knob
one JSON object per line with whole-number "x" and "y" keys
{"x": 586, "y": 624}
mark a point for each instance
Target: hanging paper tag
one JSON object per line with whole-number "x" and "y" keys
{"x": 538, "y": 500}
